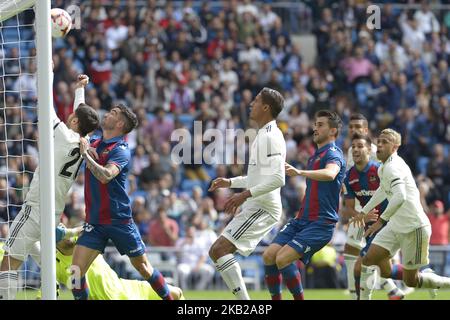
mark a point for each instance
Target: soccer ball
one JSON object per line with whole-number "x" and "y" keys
{"x": 61, "y": 22}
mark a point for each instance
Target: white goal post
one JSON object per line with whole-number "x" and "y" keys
{"x": 8, "y": 9}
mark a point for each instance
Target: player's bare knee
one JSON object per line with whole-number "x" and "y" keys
{"x": 218, "y": 250}
{"x": 368, "y": 261}
{"x": 281, "y": 261}
{"x": 213, "y": 252}
{"x": 269, "y": 256}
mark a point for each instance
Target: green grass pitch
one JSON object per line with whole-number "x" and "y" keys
{"x": 310, "y": 294}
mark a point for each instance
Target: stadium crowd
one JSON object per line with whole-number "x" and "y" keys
{"x": 177, "y": 63}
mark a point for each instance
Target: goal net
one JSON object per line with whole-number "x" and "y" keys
{"x": 18, "y": 126}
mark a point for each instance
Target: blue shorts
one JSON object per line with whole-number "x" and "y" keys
{"x": 305, "y": 237}
{"x": 125, "y": 237}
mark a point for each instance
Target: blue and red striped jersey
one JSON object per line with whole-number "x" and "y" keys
{"x": 108, "y": 203}
{"x": 321, "y": 199}
{"x": 363, "y": 184}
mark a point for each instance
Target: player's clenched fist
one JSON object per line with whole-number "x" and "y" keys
{"x": 220, "y": 183}
{"x": 83, "y": 80}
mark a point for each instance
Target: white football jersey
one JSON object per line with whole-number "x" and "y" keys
{"x": 265, "y": 169}
{"x": 67, "y": 160}
{"x": 410, "y": 215}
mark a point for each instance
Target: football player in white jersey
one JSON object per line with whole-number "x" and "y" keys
{"x": 407, "y": 227}
{"x": 25, "y": 232}
{"x": 261, "y": 199}
{"x": 355, "y": 235}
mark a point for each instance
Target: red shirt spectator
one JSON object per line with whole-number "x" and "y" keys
{"x": 440, "y": 223}
{"x": 101, "y": 69}
{"x": 163, "y": 231}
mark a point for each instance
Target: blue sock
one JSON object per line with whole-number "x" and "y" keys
{"x": 159, "y": 285}
{"x": 292, "y": 279}
{"x": 81, "y": 293}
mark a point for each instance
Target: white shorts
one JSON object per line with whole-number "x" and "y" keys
{"x": 413, "y": 245}
{"x": 25, "y": 231}
{"x": 355, "y": 236}
{"x": 248, "y": 228}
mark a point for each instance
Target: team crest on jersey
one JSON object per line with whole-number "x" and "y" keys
{"x": 372, "y": 178}
{"x": 333, "y": 149}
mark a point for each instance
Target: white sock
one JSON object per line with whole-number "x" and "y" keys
{"x": 368, "y": 281}
{"x": 231, "y": 273}
{"x": 9, "y": 281}
{"x": 388, "y": 284}
{"x": 432, "y": 281}
{"x": 350, "y": 261}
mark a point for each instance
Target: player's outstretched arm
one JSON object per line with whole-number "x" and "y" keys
{"x": 104, "y": 174}
{"x": 82, "y": 82}
{"x": 329, "y": 173}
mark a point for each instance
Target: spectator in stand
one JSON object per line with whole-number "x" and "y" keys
{"x": 193, "y": 261}
{"x": 160, "y": 128}
{"x": 116, "y": 34}
{"x": 101, "y": 68}
{"x": 162, "y": 230}
{"x": 426, "y": 21}
{"x": 440, "y": 222}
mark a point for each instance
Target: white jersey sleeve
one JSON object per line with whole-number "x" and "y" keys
{"x": 238, "y": 182}
{"x": 79, "y": 98}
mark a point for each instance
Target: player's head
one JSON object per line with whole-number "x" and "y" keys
{"x": 361, "y": 146}
{"x": 358, "y": 124}
{"x": 120, "y": 118}
{"x": 387, "y": 143}
{"x": 83, "y": 120}
{"x": 327, "y": 125}
{"x": 266, "y": 105}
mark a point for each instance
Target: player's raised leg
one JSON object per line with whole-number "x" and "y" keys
{"x": 415, "y": 249}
